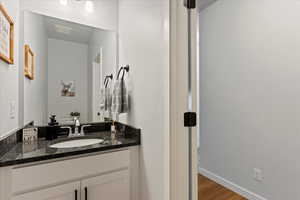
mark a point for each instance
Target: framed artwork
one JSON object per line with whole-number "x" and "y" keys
{"x": 6, "y": 36}
{"x": 29, "y": 63}
{"x": 68, "y": 89}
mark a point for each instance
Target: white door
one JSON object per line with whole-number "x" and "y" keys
{"x": 113, "y": 186}
{"x": 70, "y": 191}
{"x": 97, "y": 82}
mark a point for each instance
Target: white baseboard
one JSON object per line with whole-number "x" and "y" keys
{"x": 237, "y": 189}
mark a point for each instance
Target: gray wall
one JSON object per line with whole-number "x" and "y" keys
{"x": 9, "y": 74}
{"x": 67, "y": 61}
{"x": 35, "y": 91}
{"x": 107, "y": 40}
{"x": 144, "y": 44}
{"x": 250, "y": 94}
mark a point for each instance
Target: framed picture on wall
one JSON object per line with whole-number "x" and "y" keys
{"x": 29, "y": 63}
{"x": 6, "y": 36}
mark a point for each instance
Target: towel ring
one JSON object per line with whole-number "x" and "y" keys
{"x": 106, "y": 80}
{"x": 124, "y": 69}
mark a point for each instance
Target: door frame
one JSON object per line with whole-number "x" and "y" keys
{"x": 178, "y": 101}
{"x": 95, "y": 87}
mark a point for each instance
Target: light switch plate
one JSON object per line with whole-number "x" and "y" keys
{"x": 258, "y": 174}
{"x": 12, "y": 109}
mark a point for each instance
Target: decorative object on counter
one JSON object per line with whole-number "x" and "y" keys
{"x": 29, "y": 140}
{"x": 53, "y": 121}
{"x": 53, "y": 127}
{"x": 30, "y": 134}
{"x": 29, "y": 63}
{"x": 120, "y": 93}
{"x": 68, "y": 89}
{"x": 6, "y": 36}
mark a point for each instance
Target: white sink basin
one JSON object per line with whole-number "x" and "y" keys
{"x": 76, "y": 143}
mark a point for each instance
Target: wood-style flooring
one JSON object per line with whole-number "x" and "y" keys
{"x": 209, "y": 190}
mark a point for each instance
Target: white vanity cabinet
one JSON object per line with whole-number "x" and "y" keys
{"x": 104, "y": 176}
{"x": 70, "y": 191}
{"x": 114, "y": 186}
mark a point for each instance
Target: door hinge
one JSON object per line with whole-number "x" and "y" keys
{"x": 190, "y": 119}
{"x": 190, "y": 4}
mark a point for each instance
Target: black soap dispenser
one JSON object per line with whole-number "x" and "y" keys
{"x": 52, "y": 128}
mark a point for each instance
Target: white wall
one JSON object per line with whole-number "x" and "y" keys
{"x": 144, "y": 44}
{"x": 104, "y": 16}
{"x": 9, "y": 77}
{"x": 67, "y": 61}
{"x": 35, "y": 91}
{"x": 107, "y": 41}
{"x": 250, "y": 94}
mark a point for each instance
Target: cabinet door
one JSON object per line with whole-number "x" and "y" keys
{"x": 113, "y": 186}
{"x": 69, "y": 191}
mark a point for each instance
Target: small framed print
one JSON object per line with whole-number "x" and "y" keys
{"x": 6, "y": 36}
{"x": 29, "y": 63}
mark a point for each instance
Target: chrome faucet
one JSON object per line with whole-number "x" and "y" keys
{"x": 76, "y": 129}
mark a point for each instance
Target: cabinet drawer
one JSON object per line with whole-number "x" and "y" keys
{"x": 43, "y": 175}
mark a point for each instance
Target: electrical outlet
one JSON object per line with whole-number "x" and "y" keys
{"x": 257, "y": 174}
{"x": 12, "y": 109}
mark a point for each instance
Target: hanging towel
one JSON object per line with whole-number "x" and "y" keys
{"x": 120, "y": 97}
{"x": 102, "y": 100}
{"x": 105, "y": 100}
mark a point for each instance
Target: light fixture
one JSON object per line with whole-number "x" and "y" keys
{"x": 62, "y": 29}
{"x": 89, "y": 6}
{"x": 63, "y": 2}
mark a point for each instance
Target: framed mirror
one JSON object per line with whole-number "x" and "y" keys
{"x": 66, "y": 64}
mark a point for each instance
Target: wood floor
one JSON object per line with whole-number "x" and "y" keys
{"x": 209, "y": 190}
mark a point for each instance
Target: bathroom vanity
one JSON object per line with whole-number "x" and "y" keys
{"x": 107, "y": 170}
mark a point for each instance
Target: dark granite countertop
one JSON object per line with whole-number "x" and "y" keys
{"x": 22, "y": 153}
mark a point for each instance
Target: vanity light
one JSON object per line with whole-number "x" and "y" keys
{"x": 89, "y": 6}
{"x": 63, "y": 2}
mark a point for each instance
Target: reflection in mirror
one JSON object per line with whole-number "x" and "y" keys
{"x": 71, "y": 63}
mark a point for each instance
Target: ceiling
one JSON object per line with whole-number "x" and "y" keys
{"x": 69, "y": 31}
{"x": 202, "y": 4}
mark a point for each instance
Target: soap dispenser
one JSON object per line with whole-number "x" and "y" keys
{"x": 52, "y": 128}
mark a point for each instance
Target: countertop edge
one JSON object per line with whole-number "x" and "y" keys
{"x": 66, "y": 154}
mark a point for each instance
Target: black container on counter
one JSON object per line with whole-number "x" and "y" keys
{"x": 53, "y": 128}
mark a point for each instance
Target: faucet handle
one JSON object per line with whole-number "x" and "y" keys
{"x": 68, "y": 127}
{"x": 82, "y": 129}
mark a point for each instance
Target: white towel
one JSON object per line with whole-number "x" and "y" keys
{"x": 105, "y": 100}
{"x": 120, "y": 97}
